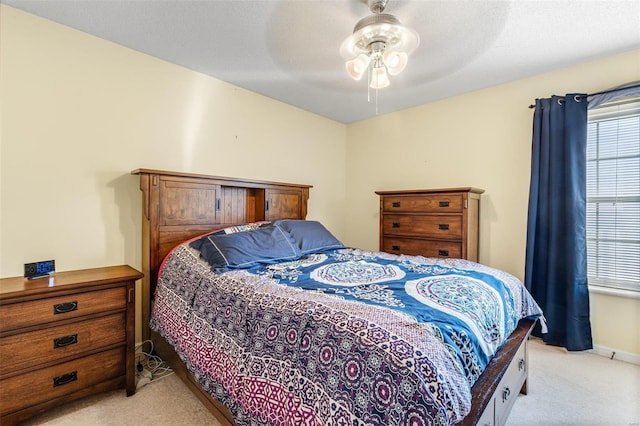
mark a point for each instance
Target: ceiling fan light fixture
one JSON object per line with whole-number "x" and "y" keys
{"x": 357, "y": 66}
{"x": 384, "y": 40}
{"x": 379, "y": 78}
{"x": 395, "y": 61}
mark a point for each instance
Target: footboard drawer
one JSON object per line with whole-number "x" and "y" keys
{"x": 511, "y": 385}
{"x": 488, "y": 416}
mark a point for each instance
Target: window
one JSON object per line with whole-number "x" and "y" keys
{"x": 613, "y": 195}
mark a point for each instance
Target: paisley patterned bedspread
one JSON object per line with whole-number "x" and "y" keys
{"x": 344, "y": 337}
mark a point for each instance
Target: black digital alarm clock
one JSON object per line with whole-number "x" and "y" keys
{"x": 39, "y": 269}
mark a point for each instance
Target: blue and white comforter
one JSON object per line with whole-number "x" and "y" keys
{"x": 344, "y": 337}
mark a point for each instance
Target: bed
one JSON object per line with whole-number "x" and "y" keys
{"x": 269, "y": 319}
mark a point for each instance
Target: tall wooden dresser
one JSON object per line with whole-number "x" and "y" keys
{"x": 431, "y": 222}
{"x": 65, "y": 337}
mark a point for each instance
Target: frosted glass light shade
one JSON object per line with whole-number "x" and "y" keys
{"x": 379, "y": 78}
{"x": 357, "y": 66}
{"x": 395, "y": 61}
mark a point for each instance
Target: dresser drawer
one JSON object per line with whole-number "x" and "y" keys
{"x": 441, "y": 226}
{"x": 29, "y": 389}
{"x": 434, "y": 203}
{"x": 427, "y": 248}
{"x": 511, "y": 384}
{"x": 44, "y": 311}
{"x": 439, "y": 222}
{"x": 31, "y": 349}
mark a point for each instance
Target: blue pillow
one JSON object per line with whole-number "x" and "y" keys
{"x": 309, "y": 235}
{"x": 249, "y": 248}
{"x": 196, "y": 243}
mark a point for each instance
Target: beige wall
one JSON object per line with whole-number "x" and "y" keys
{"x": 481, "y": 139}
{"x": 79, "y": 113}
{"x": 615, "y": 323}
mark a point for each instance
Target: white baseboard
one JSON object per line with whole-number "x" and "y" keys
{"x": 617, "y": 354}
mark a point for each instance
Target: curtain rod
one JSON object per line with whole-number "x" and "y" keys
{"x": 624, "y": 86}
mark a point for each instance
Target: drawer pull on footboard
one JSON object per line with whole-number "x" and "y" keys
{"x": 65, "y": 378}
{"x": 506, "y": 393}
{"x": 395, "y": 248}
{"x": 443, "y": 252}
{"x": 443, "y": 226}
{"x": 63, "y": 308}
{"x": 61, "y": 342}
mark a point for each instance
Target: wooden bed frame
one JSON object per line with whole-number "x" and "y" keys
{"x": 178, "y": 206}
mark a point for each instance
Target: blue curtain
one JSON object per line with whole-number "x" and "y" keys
{"x": 556, "y": 257}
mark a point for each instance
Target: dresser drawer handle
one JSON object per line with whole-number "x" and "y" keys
{"x": 521, "y": 364}
{"x": 61, "y": 342}
{"x": 506, "y": 393}
{"x": 443, "y": 252}
{"x": 395, "y": 248}
{"x": 395, "y": 225}
{"x": 443, "y": 226}
{"x": 63, "y": 308}
{"x": 65, "y": 378}
{"x": 395, "y": 204}
{"x": 443, "y": 204}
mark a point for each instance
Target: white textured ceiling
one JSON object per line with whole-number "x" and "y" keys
{"x": 289, "y": 49}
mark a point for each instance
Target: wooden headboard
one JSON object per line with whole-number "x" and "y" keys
{"x": 178, "y": 206}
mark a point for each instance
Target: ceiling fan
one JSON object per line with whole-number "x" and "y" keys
{"x": 380, "y": 45}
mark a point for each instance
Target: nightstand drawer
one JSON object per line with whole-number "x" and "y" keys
{"x": 511, "y": 384}
{"x": 426, "y": 248}
{"x": 44, "y": 311}
{"x": 435, "y": 203}
{"x": 47, "y": 384}
{"x": 28, "y": 350}
{"x": 441, "y": 226}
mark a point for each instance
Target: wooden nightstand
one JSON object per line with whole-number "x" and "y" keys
{"x": 65, "y": 337}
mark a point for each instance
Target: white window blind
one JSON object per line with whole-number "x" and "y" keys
{"x": 613, "y": 195}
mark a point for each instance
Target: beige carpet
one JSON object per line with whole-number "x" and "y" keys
{"x": 165, "y": 402}
{"x": 564, "y": 389}
{"x": 577, "y": 388}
